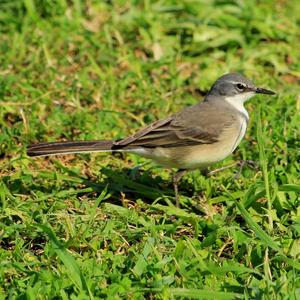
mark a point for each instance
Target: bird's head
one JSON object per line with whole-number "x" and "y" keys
{"x": 236, "y": 87}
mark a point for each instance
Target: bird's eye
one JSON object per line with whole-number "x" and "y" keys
{"x": 240, "y": 86}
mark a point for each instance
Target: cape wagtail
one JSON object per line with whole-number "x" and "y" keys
{"x": 195, "y": 137}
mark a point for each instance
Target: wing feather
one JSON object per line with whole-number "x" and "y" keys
{"x": 192, "y": 126}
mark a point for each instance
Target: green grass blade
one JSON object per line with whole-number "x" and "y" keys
{"x": 289, "y": 188}
{"x": 203, "y": 294}
{"x": 264, "y": 164}
{"x": 261, "y": 234}
{"x": 68, "y": 260}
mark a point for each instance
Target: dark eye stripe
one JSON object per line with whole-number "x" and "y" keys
{"x": 240, "y": 86}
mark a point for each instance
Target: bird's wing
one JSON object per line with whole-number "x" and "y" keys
{"x": 199, "y": 124}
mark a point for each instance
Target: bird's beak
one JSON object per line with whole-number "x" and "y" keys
{"x": 264, "y": 91}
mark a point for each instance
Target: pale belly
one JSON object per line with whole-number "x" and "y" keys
{"x": 200, "y": 156}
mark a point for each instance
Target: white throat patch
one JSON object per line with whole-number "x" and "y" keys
{"x": 237, "y": 102}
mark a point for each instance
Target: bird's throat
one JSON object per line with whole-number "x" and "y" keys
{"x": 237, "y": 102}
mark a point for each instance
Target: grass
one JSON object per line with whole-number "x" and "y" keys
{"x": 95, "y": 226}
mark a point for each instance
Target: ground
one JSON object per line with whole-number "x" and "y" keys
{"x": 105, "y": 226}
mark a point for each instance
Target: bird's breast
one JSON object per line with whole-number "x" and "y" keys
{"x": 198, "y": 156}
{"x": 202, "y": 155}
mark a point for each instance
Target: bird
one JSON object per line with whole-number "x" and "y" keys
{"x": 194, "y": 138}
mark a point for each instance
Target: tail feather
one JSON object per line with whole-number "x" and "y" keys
{"x": 55, "y": 148}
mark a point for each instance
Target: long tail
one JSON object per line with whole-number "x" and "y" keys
{"x": 55, "y": 148}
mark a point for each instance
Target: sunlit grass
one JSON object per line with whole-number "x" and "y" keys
{"x": 96, "y": 226}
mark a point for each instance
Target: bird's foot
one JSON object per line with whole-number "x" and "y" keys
{"x": 242, "y": 163}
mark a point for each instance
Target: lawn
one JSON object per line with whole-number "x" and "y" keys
{"x": 94, "y": 226}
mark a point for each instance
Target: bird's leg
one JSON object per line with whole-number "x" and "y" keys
{"x": 210, "y": 173}
{"x": 240, "y": 163}
{"x": 176, "y": 178}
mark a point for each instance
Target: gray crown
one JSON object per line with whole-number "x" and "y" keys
{"x": 231, "y": 84}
